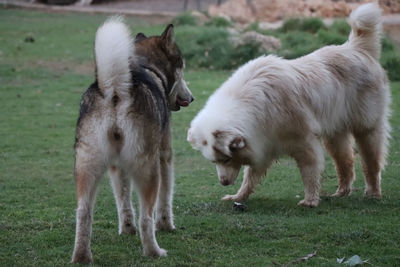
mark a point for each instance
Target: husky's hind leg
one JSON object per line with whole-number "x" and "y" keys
{"x": 147, "y": 186}
{"x": 164, "y": 215}
{"x": 88, "y": 171}
{"x": 122, "y": 187}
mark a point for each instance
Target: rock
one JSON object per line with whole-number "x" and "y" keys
{"x": 238, "y": 10}
{"x": 267, "y": 43}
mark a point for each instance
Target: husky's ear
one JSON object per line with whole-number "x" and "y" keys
{"x": 168, "y": 35}
{"x": 140, "y": 36}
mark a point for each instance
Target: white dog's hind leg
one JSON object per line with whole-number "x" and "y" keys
{"x": 340, "y": 147}
{"x": 147, "y": 191}
{"x": 122, "y": 187}
{"x": 310, "y": 160}
{"x": 251, "y": 179}
{"x": 372, "y": 147}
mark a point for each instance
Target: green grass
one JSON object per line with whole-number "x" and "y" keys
{"x": 40, "y": 88}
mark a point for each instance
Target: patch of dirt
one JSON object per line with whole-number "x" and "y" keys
{"x": 246, "y": 11}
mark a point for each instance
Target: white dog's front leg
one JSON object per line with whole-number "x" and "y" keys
{"x": 251, "y": 179}
{"x": 310, "y": 160}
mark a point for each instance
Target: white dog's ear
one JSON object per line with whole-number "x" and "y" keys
{"x": 237, "y": 142}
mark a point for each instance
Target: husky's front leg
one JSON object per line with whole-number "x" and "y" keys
{"x": 148, "y": 189}
{"x": 164, "y": 215}
{"x": 251, "y": 179}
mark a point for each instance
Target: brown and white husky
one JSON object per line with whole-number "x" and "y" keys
{"x": 124, "y": 127}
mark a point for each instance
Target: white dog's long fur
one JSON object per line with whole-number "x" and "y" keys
{"x": 272, "y": 106}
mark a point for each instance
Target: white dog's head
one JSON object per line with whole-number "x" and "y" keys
{"x": 226, "y": 148}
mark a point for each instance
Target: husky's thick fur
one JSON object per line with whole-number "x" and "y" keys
{"x": 124, "y": 127}
{"x": 271, "y": 107}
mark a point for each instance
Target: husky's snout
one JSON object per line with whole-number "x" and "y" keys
{"x": 181, "y": 94}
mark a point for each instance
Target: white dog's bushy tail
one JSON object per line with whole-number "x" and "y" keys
{"x": 366, "y": 29}
{"x": 114, "y": 51}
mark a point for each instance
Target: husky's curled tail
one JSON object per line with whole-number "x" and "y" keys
{"x": 114, "y": 51}
{"x": 366, "y": 29}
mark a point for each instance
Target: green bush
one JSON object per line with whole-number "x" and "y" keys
{"x": 204, "y": 46}
{"x": 341, "y": 27}
{"x": 210, "y": 46}
{"x": 311, "y": 25}
{"x": 297, "y": 44}
{"x": 185, "y": 18}
{"x": 219, "y": 22}
{"x": 329, "y": 37}
{"x": 290, "y": 25}
{"x": 391, "y": 63}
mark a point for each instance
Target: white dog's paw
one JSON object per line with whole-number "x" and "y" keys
{"x": 236, "y": 198}
{"x": 165, "y": 224}
{"x": 373, "y": 193}
{"x": 155, "y": 252}
{"x": 342, "y": 192}
{"x": 312, "y": 203}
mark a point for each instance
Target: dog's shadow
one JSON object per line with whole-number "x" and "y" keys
{"x": 356, "y": 204}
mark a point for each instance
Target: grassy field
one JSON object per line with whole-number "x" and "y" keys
{"x": 41, "y": 83}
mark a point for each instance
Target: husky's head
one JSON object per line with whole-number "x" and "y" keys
{"x": 226, "y": 148}
{"x": 163, "y": 58}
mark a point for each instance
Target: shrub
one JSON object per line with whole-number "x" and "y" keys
{"x": 210, "y": 46}
{"x": 219, "y": 22}
{"x": 329, "y": 37}
{"x": 204, "y": 46}
{"x": 391, "y": 63}
{"x": 184, "y": 18}
{"x": 296, "y": 44}
{"x": 341, "y": 27}
{"x": 290, "y": 25}
{"x": 312, "y": 25}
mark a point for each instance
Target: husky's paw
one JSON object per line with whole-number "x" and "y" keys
{"x": 82, "y": 256}
{"x": 128, "y": 228}
{"x": 155, "y": 252}
{"x": 312, "y": 203}
{"x": 342, "y": 192}
{"x": 237, "y": 198}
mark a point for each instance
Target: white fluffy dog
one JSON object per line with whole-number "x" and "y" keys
{"x": 272, "y": 106}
